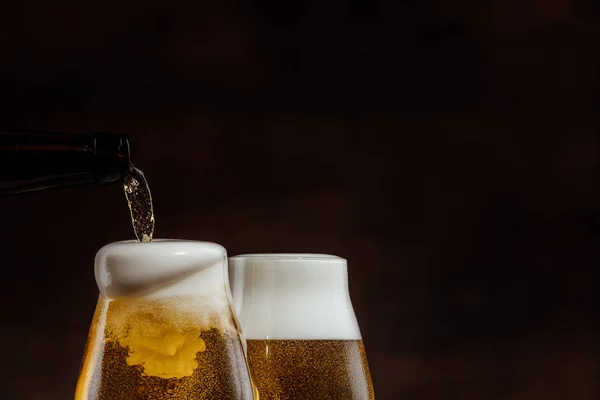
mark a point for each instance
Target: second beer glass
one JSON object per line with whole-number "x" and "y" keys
{"x": 303, "y": 340}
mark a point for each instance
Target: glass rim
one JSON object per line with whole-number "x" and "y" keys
{"x": 288, "y": 257}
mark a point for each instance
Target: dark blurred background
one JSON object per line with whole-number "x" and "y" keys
{"x": 447, "y": 149}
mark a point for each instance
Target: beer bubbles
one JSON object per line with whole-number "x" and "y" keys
{"x": 139, "y": 200}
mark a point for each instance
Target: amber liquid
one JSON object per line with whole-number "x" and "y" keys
{"x": 310, "y": 369}
{"x": 139, "y": 200}
{"x": 150, "y": 350}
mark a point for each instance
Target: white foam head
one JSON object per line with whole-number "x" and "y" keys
{"x": 293, "y": 297}
{"x": 156, "y": 297}
{"x": 160, "y": 268}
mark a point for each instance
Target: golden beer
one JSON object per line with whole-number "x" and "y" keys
{"x": 310, "y": 369}
{"x": 163, "y": 331}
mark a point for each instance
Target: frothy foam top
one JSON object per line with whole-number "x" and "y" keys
{"x": 160, "y": 268}
{"x": 157, "y": 298}
{"x": 293, "y": 297}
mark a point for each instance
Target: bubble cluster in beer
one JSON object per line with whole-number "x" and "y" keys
{"x": 162, "y": 335}
{"x": 310, "y": 369}
{"x": 169, "y": 348}
{"x": 216, "y": 376}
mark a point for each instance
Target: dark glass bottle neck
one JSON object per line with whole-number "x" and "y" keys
{"x": 38, "y": 160}
{"x": 112, "y": 158}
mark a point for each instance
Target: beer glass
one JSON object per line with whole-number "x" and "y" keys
{"x": 164, "y": 327}
{"x": 303, "y": 340}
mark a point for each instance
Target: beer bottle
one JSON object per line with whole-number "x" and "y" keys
{"x": 38, "y": 160}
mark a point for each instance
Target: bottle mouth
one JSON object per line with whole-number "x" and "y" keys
{"x": 113, "y": 158}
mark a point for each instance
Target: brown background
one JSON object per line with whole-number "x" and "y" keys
{"x": 447, "y": 149}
